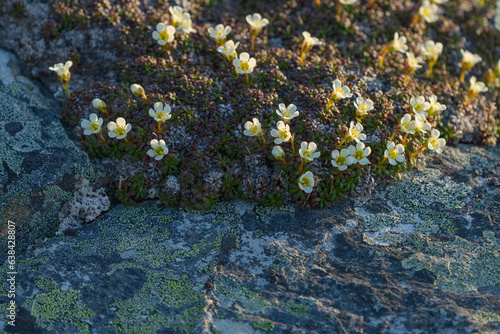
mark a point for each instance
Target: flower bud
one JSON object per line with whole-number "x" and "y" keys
{"x": 99, "y": 105}
{"x": 137, "y": 90}
{"x": 278, "y": 152}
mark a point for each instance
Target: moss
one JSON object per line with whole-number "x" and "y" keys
{"x": 297, "y": 309}
{"x": 230, "y": 292}
{"x": 485, "y": 317}
{"x": 263, "y": 325}
{"x": 57, "y": 310}
{"x": 460, "y": 265}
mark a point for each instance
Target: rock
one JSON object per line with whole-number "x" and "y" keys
{"x": 418, "y": 256}
{"x": 39, "y": 163}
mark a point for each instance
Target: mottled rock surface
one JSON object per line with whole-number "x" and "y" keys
{"x": 39, "y": 163}
{"x": 419, "y": 256}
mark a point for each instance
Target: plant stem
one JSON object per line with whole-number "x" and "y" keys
{"x": 406, "y": 136}
{"x": 263, "y": 139}
{"x": 159, "y": 127}
{"x": 252, "y": 41}
{"x": 247, "y": 78}
{"x": 395, "y": 132}
{"x": 302, "y": 53}
{"x": 293, "y": 148}
{"x": 66, "y": 88}
{"x": 462, "y": 76}
{"x": 384, "y": 52}
{"x": 102, "y": 137}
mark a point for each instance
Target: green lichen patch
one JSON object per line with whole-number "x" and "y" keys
{"x": 485, "y": 317}
{"x": 461, "y": 265}
{"x": 57, "y": 310}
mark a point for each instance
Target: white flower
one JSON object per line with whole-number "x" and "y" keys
{"x": 229, "y": 48}
{"x": 429, "y": 11}
{"x": 158, "y": 149}
{"x": 339, "y": 91}
{"x": 160, "y": 113}
{"x": 282, "y": 133}
{"x": 398, "y": 44}
{"x": 476, "y": 87}
{"x": 431, "y": 50}
{"x": 414, "y": 62}
{"x": 137, "y": 90}
{"x": 355, "y": 132}
{"x": 435, "y": 106}
{"x": 287, "y": 113}
{"x": 469, "y": 60}
{"x": 99, "y": 104}
{"x": 406, "y": 124}
{"x": 435, "y": 143}
{"x": 62, "y": 69}
{"x": 164, "y": 33}
{"x": 419, "y": 105}
{"x": 220, "y": 32}
{"x": 119, "y": 129}
{"x": 278, "y": 152}
{"x": 253, "y": 128}
{"x": 186, "y": 26}
{"x": 306, "y": 182}
{"x": 256, "y": 22}
{"x": 420, "y": 124}
{"x": 341, "y": 159}
{"x": 92, "y": 126}
{"x": 309, "y": 41}
{"x": 307, "y": 152}
{"x": 363, "y": 106}
{"x": 440, "y": 2}
{"x": 359, "y": 153}
{"x": 394, "y": 153}
{"x": 348, "y": 2}
{"x": 244, "y": 64}
{"x": 177, "y": 15}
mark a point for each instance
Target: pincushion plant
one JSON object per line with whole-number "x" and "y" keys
{"x": 205, "y": 151}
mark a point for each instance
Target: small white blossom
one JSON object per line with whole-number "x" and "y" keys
{"x": 394, "y": 153}
{"x": 429, "y": 11}
{"x": 476, "y": 87}
{"x": 439, "y": 2}
{"x": 359, "y": 153}
{"x": 435, "y": 143}
{"x": 419, "y": 105}
{"x": 186, "y": 26}
{"x": 160, "y": 113}
{"x": 309, "y": 41}
{"x": 256, "y": 21}
{"x": 282, "y": 133}
{"x": 431, "y": 50}
{"x": 219, "y": 33}
{"x": 413, "y": 62}
{"x": 363, "y": 106}
{"x": 278, "y": 152}
{"x": 435, "y": 106}
{"x": 398, "y": 44}
{"x": 341, "y": 159}
{"x": 407, "y": 125}
{"x": 164, "y": 34}
{"x": 99, "y": 104}
{"x": 119, "y": 129}
{"x": 287, "y": 113}
{"x": 420, "y": 124}
{"x": 92, "y": 126}
{"x": 158, "y": 149}
{"x": 348, "y": 2}
{"x": 177, "y": 15}
{"x": 62, "y": 70}
{"x": 339, "y": 91}
{"x": 469, "y": 60}
{"x": 244, "y": 64}
{"x": 229, "y": 49}
{"x": 253, "y": 128}
{"x": 306, "y": 182}
{"x": 308, "y": 151}
{"x": 355, "y": 132}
